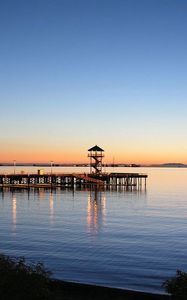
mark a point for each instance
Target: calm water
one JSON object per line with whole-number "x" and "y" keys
{"x": 132, "y": 240}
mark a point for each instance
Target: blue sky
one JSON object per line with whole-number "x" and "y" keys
{"x": 77, "y": 73}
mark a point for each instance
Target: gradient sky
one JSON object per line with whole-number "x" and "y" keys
{"x": 75, "y": 73}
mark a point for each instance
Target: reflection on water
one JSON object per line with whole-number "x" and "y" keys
{"x": 96, "y": 211}
{"x": 41, "y": 194}
{"x": 128, "y": 239}
{"x": 51, "y": 206}
{"x": 14, "y": 212}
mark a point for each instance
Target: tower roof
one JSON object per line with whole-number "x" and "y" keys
{"x": 96, "y": 148}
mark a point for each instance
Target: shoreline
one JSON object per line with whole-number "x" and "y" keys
{"x": 75, "y": 291}
{"x": 87, "y": 165}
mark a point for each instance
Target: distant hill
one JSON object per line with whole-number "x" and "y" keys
{"x": 170, "y": 165}
{"x": 176, "y": 165}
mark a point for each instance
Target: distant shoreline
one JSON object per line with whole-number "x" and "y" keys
{"x": 86, "y": 165}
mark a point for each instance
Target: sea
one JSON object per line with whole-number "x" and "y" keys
{"x": 133, "y": 239}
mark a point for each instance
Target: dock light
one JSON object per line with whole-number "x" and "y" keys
{"x": 51, "y": 162}
{"x": 14, "y": 167}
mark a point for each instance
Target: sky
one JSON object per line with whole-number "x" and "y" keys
{"x": 75, "y": 73}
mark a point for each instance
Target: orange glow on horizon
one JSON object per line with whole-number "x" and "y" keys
{"x": 127, "y": 159}
{"x": 79, "y": 155}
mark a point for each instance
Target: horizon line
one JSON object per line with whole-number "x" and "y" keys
{"x": 56, "y": 164}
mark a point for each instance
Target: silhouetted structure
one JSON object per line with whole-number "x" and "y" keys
{"x": 113, "y": 180}
{"x": 96, "y": 155}
{"x": 95, "y": 178}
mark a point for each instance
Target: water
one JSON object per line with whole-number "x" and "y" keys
{"x": 133, "y": 240}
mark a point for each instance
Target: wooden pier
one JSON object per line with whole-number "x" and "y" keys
{"x": 72, "y": 180}
{"x": 96, "y": 177}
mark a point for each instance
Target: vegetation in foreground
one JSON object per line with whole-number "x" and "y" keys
{"x": 177, "y": 286}
{"x": 24, "y": 281}
{"x": 19, "y": 280}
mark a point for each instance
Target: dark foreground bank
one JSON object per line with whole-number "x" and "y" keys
{"x": 76, "y": 291}
{"x": 23, "y": 281}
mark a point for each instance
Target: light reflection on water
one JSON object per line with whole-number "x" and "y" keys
{"x": 14, "y": 212}
{"x": 115, "y": 238}
{"x": 96, "y": 211}
{"x": 51, "y": 205}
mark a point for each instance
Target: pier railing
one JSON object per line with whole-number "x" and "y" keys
{"x": 27, "y": 180}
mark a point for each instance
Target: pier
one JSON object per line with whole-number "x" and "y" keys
{"x": 96, "y": 177}
{"x": 71, "y": 180}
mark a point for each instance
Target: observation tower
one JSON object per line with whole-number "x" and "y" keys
{"x": 96, "y": 155}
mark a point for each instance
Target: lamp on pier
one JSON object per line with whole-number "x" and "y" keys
{"x": 51, "y": 162}
{"x": 14, "y": 167}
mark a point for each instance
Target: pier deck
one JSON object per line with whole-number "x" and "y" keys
{"x": 74, "y": 179}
